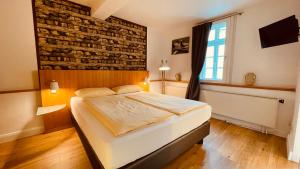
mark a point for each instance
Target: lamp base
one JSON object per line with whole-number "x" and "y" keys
{"x": 163, "y": 83}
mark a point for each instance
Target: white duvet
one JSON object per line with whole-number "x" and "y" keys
{"x": 121, "y": 115}
{"x": 171, "y": 104}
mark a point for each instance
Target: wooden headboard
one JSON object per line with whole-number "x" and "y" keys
{"x": 71, "y": 80}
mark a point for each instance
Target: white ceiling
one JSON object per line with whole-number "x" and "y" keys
{"x": 166, "y": 13}
{"x": 90, "y": 3}
{"x": 102, "y": 9}
{"x": 162, "y": 13}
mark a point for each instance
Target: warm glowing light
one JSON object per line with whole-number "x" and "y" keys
{"x": 164, "y": 65}
{"x": 54, "y": 86}
{"x": 164, "y": 68}
{"x": 147, "y": 81}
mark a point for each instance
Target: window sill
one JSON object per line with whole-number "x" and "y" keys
{"x": 235, "y": 85}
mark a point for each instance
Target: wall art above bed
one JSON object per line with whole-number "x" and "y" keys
{"x": 69, "y": 38}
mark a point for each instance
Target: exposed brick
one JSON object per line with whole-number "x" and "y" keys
{"x": 68, "y": 38}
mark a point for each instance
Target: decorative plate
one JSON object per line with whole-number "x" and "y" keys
{"x": 250, "y": 79}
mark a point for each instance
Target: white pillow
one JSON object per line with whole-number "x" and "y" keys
{"x": 94, "y": 92}
{"x": 127, "y": 89}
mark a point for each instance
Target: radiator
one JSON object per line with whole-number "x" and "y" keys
{"x": 254, "y": 109}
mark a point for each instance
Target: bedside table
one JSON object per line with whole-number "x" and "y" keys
{"x": 49, "y": 109}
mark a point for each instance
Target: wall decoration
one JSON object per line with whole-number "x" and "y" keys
{"x": 250, "y": 79}
{"x": 178, "y": 76}
{"x": 180, "y": 45}
{"x": 69, "y": 38}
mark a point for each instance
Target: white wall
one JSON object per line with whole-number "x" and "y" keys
{"x": 161, "y": 48}
{"x": 276, "y": 66}
{"x": 294, "y": 136}
{"x": 17, "y": 115}
{"x": 155, "y": 46}
{"x": 180, "y": 63}
{"x": 18, "y": 70}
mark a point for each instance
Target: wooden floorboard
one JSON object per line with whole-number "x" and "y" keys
{"x": 227, "y": 147}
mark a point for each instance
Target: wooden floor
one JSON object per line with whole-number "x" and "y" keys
{"x": 227, "y": 147}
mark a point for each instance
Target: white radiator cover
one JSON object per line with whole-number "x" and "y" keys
{"x": 253, "y": 109}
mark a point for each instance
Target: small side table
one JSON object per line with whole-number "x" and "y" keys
{"x": 49, "y": 109}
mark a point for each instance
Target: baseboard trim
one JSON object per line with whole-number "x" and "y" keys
{"x": 21, "y": 134}
{"x": 250, "y": 126}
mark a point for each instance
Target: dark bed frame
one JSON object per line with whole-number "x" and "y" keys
{"x": 156, "y": 159}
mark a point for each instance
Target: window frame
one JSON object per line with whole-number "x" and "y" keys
{"x": 227, "y": 68}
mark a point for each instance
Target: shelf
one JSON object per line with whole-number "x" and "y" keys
{"x": 236, "y": 85}
{"x": 49, "y": 109}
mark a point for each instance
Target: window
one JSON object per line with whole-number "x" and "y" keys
{"x": 213, "y": 68}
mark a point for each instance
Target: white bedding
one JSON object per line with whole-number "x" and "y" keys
{"x": 176, "y": 105}
{"x": 122, "y": 115}
{"x": 115, "y": 152}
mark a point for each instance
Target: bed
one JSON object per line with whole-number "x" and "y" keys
{"x": 151, "y": 147}
{"x": 158, "y": 144}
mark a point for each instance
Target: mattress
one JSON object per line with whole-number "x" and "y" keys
{"x": 115, "y": 152}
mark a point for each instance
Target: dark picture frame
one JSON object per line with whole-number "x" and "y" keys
{"x": 180, "y": 46}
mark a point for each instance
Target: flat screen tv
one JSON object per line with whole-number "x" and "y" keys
{"x": 279, "y": 33}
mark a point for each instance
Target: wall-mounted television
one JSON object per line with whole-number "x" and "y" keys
{"x": 282, "y": 32}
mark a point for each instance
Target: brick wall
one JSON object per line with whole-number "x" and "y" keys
{"x": 69, "y": 38}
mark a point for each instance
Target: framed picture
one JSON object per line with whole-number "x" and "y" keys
{"x": 180, "y": 46}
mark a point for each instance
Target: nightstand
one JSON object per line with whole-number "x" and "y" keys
{"x": 49, "y": 109}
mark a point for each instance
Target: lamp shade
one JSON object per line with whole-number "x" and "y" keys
{"x": 54, "y": 86}
{"x": 164, "y": 65}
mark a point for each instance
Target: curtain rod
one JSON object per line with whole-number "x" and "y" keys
{"x": 220, "y": 18}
